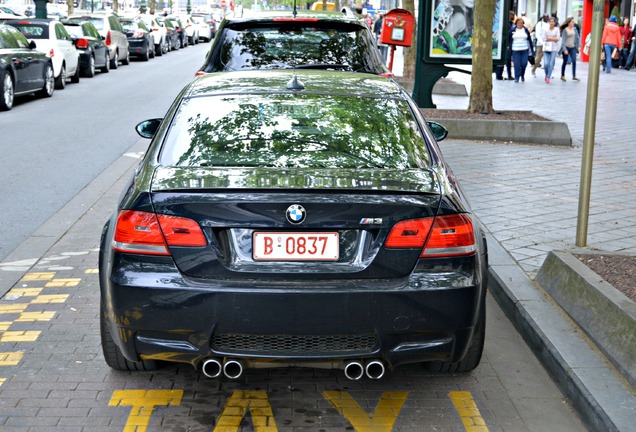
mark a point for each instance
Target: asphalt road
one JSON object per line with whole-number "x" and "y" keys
{"x": 52, "y": 148}
{"x": 52, "y": 373}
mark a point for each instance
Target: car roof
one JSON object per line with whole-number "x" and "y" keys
{"x": 300, "y": 16}
{"x": 26, "y": 20}
{"x": 275, "y": 81}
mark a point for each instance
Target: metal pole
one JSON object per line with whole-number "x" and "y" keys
{"x": 589, "y": 128}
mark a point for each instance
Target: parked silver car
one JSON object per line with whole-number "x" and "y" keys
{"x": 110, "y": 28}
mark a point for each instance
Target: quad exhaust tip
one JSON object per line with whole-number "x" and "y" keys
{"x": 212, "y": 368}
{"x": 354, "y": 370}
{"x": 375, "y": 369}
{"x": 233, "y": 369}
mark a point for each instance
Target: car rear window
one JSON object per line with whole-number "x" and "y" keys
{"x": 284, "y": 45}
{"x": 97, "y": 22}
{"x": 33, "y": 31}
{"x": 282, "y": 130}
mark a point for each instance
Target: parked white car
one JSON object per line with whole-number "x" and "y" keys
{"x": 158, "y": 33}
{"x": 51, "y": 37}
{"x": 206, "y": 31}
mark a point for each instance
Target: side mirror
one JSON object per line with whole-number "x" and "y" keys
{"x": 32, "y": 45}
{"x": 439, "y": 131}
{"x": 148, "y": 128}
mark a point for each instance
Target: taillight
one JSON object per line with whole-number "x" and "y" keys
{"x": 409, "y": 234}
{"x": 147, "y": 233}
{"x": 138, "y": 34}
{"x": 386, "y": 74}
{"x": 451, "y": 235}
{"x": 441, "y": 236}
{"x": 200, "y": 73}
{"x": 81, "y": 43}
{"x": 52, "y": 53}
{"x": 108, "y": 39}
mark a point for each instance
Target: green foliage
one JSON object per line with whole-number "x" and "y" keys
{"x": 617, "y": 14}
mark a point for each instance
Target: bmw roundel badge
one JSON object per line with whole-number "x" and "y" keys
{"x": 296, "y": 214}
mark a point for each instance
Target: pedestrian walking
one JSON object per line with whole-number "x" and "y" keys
{"x": 551, "y": 39}
{"x": 626, "y": 38}
{"x": 539, "y": 29}
{"x": 521, "y": 42}
{"x": 500, "y": 69}
{"x": 611, "y": 41}
{"x": 632, "y": 50}
{"x": 570, "y": 44}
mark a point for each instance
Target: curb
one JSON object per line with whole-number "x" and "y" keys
{"x": 599, "y": 396}
{"x": 531, "y": 132}
{"x": 606, "y": 314}
{"x": 21, "y": 259}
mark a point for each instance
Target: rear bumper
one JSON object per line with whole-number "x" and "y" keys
{"x": 138, "y": 47}
{"x": 160, "y": 315}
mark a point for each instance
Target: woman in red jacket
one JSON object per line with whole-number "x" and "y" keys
{"x": 611, "y": 40}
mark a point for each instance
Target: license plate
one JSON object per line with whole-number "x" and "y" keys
{"x": 306, "y": 246}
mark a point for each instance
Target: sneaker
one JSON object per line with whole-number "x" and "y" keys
{"x": 547, "y": 80}
{"x": 563, "y": 78}
{"x": 575, "y": 79}
{"x": 523, "y": 79}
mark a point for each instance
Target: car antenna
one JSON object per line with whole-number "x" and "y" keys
{"x": 295, "y": 10}
{"x": 294, "y": 84}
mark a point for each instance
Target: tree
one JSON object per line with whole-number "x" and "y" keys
{"x": 71, "y": 6}
{"x": 115, "y": 6}
{"x": 481, "y": 80}
{"x": 410, "y": 54}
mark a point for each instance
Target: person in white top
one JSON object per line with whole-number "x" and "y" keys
{"x": 551, "y": 39}
{"x": 539, "y": 30}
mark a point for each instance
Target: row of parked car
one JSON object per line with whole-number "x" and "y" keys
{"x": 39, "y": 55}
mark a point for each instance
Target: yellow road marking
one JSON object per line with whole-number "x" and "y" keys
{"x": 2, "y": 380}
{"x": 4, "y": 325}
{"x": 10, "y": 358}
{"x": 143, "y": 403}
{"x": 20, "y": 336}
{"x": 13, "y": 308}
{"x": 236, "y": 407}
{"x": 50, "y": 298}
{"x": 35, "y": 276}
{"x": 382, "y": 419}
{"x": 35, "y": 316}
{"x": 25, "y": 292}
{"x": 468, "y": 411}
{"x": 58, "y": 283}
{"x": 91, "y": 271}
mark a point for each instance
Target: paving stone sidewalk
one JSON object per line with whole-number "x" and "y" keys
{"x": 527, "y": 195}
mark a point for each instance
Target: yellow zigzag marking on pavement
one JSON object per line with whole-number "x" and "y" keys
{"x": 50, "y": 298}
{"x": 2, "y": 380}
{"x": 10, "y": 358}
{"x": 468, "y": 411}
{"x": 91, "y": 271}
{"x": 35, "y": 276}
{"x": 59, "y": 283}
{"x": 35, "y": 316}
{"x": 20, "y": 336}
{"x": 24, "y": 292}
{"x": 13, "y": 308}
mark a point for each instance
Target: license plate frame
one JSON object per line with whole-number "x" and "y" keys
{"x": 316, "y": 246}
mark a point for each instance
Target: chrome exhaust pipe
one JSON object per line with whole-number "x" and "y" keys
{"x": 212, "y": 368}
{"x": 375, "y": 369}
{"x": 233, "y": 369}
{"x": 354, "y": 370}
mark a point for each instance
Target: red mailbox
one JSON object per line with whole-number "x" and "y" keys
{"x": 397, "y": 28}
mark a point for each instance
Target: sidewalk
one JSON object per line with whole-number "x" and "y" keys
{"x": 527, "y": 197}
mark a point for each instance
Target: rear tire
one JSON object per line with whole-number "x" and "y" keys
{"x": 8, "y": 92}
{"x": 106, "y": 67}
{"x": 473, "y": 356}
{"x": 60, "y": 81}
{"x": 126, "y": 61}
{"x": 114, "y": 63}
{"x": 76, "y": 78}
{"x": 49, "y": 82}
{"x": 89, "y": 72}
{"x": 112, "y": 354}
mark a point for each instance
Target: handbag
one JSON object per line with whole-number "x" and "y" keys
{"x": 615, "y": 54}
{"x": 531, "y": 59}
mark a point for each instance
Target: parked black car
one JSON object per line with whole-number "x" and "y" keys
{"x": 172, "y": 35}
{"x": 93, "y": 50}
{"x": 302, "y": 218}
{"x": 140, "y": 40}
{"x": 23, "y": 69}
{"x": 180, "y": 27}
{"x": 280, "y": 40}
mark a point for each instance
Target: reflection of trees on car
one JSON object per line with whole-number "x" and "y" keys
{"x": 298, "y": 131}
{"x": 278, "y": 48}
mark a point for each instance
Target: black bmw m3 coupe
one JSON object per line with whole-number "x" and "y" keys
{"x": 293, "y": 218}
